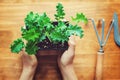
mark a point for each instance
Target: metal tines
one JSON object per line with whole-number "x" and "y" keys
{"x": 103, "y": 41}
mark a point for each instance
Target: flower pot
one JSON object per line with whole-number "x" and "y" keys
{"x": 47, "y": 65}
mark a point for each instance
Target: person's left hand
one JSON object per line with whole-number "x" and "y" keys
{"x": 28, "y": 60}
{"x": 29, "y": 64}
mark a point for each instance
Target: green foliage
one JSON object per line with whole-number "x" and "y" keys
{"x": 17, "y": 46}
{"x": 43, "y": 20}
{"x": 80, "y": 17}
{"x": 30, "y": 35}
{"x": 58, "y": 34}
{"x": 74, "y": 30}
{"x": 60, "y": 12}
{"x": 31, "y": 47}
{"x": 38, "y": 27}
{"x": 31, "y": 19}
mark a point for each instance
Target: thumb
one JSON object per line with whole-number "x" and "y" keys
{"x": 71, "y": 43}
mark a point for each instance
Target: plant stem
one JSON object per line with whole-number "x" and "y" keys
{"x": 47, "y": 34}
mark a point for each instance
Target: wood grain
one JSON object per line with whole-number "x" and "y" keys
{"x": 12, "y": 14}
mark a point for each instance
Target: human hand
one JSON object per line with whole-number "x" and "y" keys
{"x": 68, "y": 56}
{"x": 65, "y": 62}
{"x": 29, "y": 64}
{"x": 29, "y": 61}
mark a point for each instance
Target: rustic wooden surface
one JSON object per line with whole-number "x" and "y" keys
{"x": 12, "y": 13}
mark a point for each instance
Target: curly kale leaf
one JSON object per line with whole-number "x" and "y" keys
{"x": 74, "y": 30}
{"x": 31, "y": 35}
{"x": 43, "y": 20}
{"x": 17, "y": 46}
{"x": 61, "y": 26}
{"x": 58, "y": 37}
{"x": 31, "y": 20}
{"x": 60, "y": 12}
{"x": 80, "y": 17}
{"x": 58, "y": 34}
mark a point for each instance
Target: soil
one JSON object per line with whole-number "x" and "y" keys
{"x": 46, "y": 44}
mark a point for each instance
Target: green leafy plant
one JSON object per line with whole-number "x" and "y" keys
{"x": 39, "y": 27}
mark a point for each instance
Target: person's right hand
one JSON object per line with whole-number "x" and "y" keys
{"x": 68, "y": 56}
{"x": 65, "y": 62}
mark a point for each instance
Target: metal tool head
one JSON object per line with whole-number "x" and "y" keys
{"x": 101, "y": 40}
{"x": 116, "y": 29}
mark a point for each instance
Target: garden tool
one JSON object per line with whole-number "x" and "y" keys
{"x": 100, "y": 53}
{"x": 116, "y": 29}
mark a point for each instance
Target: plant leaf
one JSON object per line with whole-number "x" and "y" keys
{"x": 60, "y": 12}
{"x": 74, "y": 30}
{"x": 31, "y": 35}
{"x": 31, "y": 48}
{"x": 58, "y": 37}
{"x": 42, "y": 37}
{"x": 17, "y": 46}
{"x": 31, "y": 20}
{"x": 58, "y": 34}
{"x": 43, "y": 20}
{"x": 80, "y": 17}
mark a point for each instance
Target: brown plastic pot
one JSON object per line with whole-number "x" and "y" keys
{"x": 47, "y": 65}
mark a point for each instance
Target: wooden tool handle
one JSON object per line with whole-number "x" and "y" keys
{"x": 99, "y": 66}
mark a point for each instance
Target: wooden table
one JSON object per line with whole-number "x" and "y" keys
{"x": 12, "y": 14}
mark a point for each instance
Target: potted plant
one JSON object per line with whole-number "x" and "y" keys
{"x": 41, "y": 35}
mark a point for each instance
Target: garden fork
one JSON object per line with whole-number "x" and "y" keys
{"x": 100, "y": 53}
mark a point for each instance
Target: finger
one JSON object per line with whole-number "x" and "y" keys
{"x": 58, "y": 59}
{"x": 71, "y": 48}
{"x": 71, "y": 40}
{"x": 60, "y": 55}
{"x": 71, "y": 43}
{"x": 25, "y": 55}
